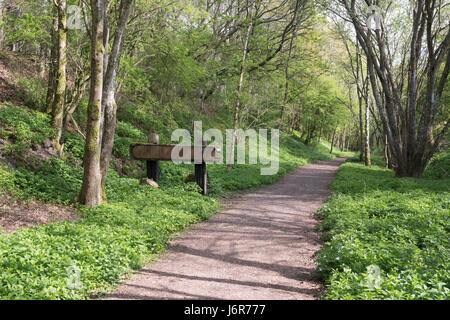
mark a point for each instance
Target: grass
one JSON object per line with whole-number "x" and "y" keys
{"x": 75, "y": 260}
{"x": 386, "y": 238}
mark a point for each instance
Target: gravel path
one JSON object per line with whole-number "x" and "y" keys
{"x": 261, "y": 246}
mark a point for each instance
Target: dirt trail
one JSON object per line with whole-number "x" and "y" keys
{"x": 260, "y": 247}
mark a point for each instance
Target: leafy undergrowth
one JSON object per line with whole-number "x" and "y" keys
{"x": 24, "y": 127}
{"x": 75, "y": 260}
{"x": 387, "y": 238}
{"x": 439, "y": 166}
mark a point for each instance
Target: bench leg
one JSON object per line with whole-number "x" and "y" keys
{"x": 201, "y": 177}
{"x": 153, "y": 170}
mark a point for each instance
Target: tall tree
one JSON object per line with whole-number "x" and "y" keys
{"x": 297, "y": 22}
{"x": 91, "y": 191}
{"x": 53, "y": 62}
{"x": 367, "y": 159}
{"x": 109, "y": 106}
{"x": 250, "y": 17}
{"x": 58, "y": 100}
{"x": 287, "y": 78}
{"x": 2, "y": 13}
{"x": 361, "y": 82}
{"x": 408, "y": 121}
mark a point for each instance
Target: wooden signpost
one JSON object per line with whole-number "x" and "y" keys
{"x": 153, "y": 152}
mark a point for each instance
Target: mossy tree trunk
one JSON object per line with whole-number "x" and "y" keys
{"x": 51, "y": 85}
{"x": 61, "y": 80}
{"x": 2, "y": 31}
{"x": 91, "y": 192}
{"x": 109, "y": 106}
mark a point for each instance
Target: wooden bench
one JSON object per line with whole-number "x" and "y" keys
{"x": 153, "y": 152}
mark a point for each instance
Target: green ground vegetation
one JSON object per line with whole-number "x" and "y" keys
{"x": 386, "y": 238}
{"x": 119, "y": 236}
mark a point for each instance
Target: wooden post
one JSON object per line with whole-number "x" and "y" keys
{"x": 201, "y": 177}
{"x": 153, "y": 152}
{"x": 201, "y": 174}
{"x": 153, "y": 170}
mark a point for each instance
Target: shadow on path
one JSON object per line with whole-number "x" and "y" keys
{"x": 262, "y": 246}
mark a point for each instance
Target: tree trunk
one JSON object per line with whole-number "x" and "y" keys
{"x": 42, "y": 61}
{"x": 286, "y": 86}
{"x": 91, "y": 191}
{"x": 310, "y": 136}
{"x": 411, "y": 142}
{"x": 108, "y": 102}
{"x": 361, "y": 131}
{"x": 348, "y": 143}
{"x": 367, "y": 160}
{"x": 343, "y": 139}
{"x": 51, "y": 86}
{"x": 332, "y": 140}
{"x": 238, "y": 99}
{"x": 76, "y": 96}
{"x": 61, "y": 81}
{"x": 2, "y": 31}
{"x": 386, "y": 151}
